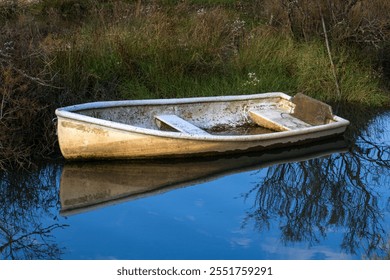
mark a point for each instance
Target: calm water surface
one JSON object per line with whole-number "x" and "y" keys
{"x": 328, "y": 201}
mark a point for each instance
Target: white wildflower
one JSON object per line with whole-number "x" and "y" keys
{"x": 201, "y": 11}
{"x": 252, "y": 80}
{"x": 238, "y": 25}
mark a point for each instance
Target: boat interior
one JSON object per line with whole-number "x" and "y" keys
{"x": 232, "y": 117}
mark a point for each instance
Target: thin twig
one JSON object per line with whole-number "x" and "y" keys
{"x": 2, "y": 106}
{"x": 330, "y": 53}
{"x": 34, "y": 79}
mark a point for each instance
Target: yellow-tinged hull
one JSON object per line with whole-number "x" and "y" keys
{"x": 129, "y": 130}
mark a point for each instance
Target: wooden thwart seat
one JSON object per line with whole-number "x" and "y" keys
{"x": 179, "y": 124}
{"x": 311, "y": 111}
{"x": 277, "y": 120}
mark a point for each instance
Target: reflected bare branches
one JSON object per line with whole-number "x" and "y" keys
{"x": 26, "y": 216}
{"x": 340, "y": 192}
{"x": 308, "y": 200}
{"x": 35, "y": 243}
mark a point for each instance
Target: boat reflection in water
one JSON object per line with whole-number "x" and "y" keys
{"x": 88, "y": 185}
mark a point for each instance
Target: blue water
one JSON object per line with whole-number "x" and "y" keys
{"x": 335, "y": 206}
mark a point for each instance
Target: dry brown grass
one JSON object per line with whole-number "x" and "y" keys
{"x": 363, "y": 22}
{"x": 26, "y": 130}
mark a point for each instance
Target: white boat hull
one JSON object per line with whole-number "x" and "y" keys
{"x": 86, "y": 137}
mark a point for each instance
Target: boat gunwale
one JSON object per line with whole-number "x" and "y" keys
{"x": 172, "y": 101}
{"x": 67, "y": 113}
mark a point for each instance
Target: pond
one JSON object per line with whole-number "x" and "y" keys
{"x": 329, "y": 200}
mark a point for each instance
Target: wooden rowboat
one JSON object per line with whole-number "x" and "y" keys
{"x": 192, "y": 126}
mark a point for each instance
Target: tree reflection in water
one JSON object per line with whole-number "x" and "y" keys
{"x": 314, "y": 197}
{"x": 309, "y": 199}
{"x": 27, "y": 199}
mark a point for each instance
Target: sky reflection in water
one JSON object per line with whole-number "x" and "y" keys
{"x": 331, "y": 207}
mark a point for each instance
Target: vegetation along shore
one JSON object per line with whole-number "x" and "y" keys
{"x": 60, "y": 52}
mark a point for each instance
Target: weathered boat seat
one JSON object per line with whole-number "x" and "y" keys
{"x": 179, "y": 124}
{"x": 311, "y": 111}
{"x": 277, "y": 120}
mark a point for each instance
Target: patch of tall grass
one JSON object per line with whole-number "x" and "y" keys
{"x": 211, "y": 51}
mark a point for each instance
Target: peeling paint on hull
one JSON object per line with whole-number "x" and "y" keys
{"x": 104, "y": 131}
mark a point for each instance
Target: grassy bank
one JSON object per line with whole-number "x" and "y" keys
{"x": 61, "y": 52}
{"x": 155, "y": 51}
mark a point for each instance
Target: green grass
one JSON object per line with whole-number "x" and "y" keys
{"x": 120, "y": 50}
{"x": 208, "y": 54}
